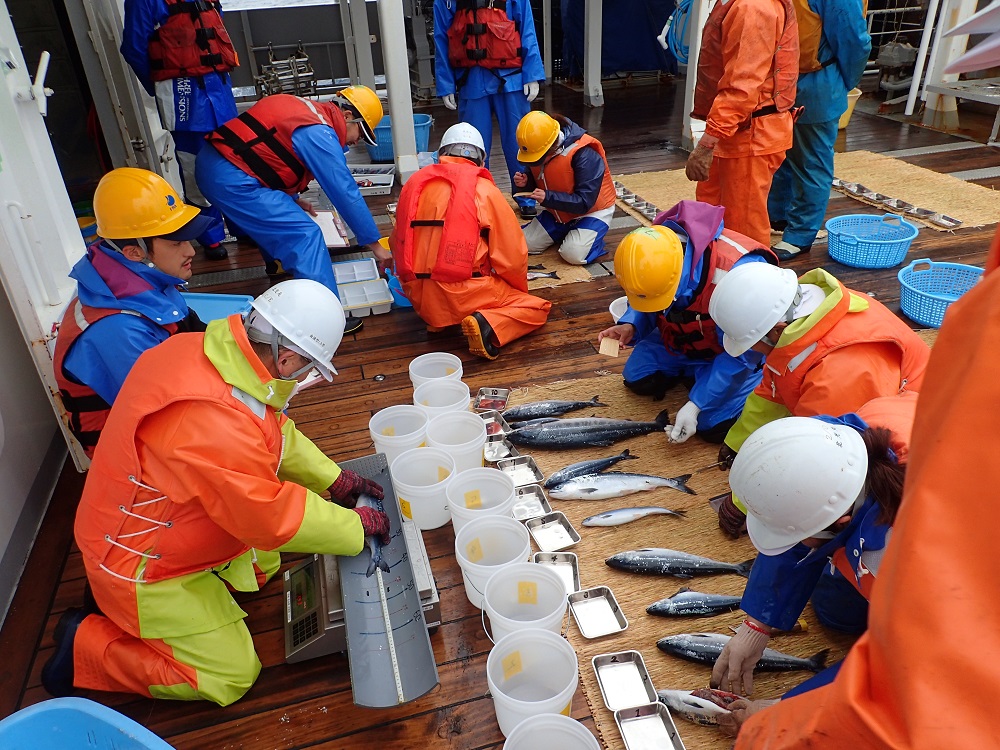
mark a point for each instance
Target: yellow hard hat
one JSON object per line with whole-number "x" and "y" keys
{"x": 535, "y": 135}
{"x": 367, "y": 104}
{"x": 134, "y": 203}
{"x": 648, "y": 263}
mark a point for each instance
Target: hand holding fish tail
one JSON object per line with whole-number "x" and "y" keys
{"x": 733, "y": 670}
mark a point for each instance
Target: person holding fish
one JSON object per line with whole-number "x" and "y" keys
{"x": 481, "y": 282}
{"x": 822, "y": 495}
{"x": 670, "y": 272}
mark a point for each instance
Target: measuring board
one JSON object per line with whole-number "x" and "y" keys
{"x": 388, "y": 646}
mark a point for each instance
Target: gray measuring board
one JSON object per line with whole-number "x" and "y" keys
{"x": 389, "y": 649}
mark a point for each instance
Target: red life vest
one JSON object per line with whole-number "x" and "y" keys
{"x": 260, "y": 140}
{"x": 779, "y": 96}
{"x": 191, "y": 42}
{"x": 691, "y": 331}
{"x": 460, "y": 233}
{"x": 481, "y": 33}
{"x": 556, "y": 174}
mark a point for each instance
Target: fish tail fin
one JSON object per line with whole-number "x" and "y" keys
{"x": 681, "y": 513}
{"x": 663, "y": 418}
{"x": 625, "y": 455}
{"x": 817, "y": 662}
{"x": 596, "y": 401}
{"x": 743, "y": 568}
{"x": 384, "y": 565}
{"x": 683, "y": 590}
{"x": 372, "y": 565}
{"x": 555, "y": 275}
{"x": 682, "y": 481}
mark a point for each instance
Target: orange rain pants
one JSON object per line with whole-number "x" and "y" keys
{"x": 920, "y": 677}
{"x": 741, "y": 184}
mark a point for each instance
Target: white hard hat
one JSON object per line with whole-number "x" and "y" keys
{"x": 463, "y": 134}
{"x": 749, "y": 301}
{"x": 301, "y": 315}
{"x": 796, "y": 476}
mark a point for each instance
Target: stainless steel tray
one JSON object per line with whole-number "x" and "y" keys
{"x": 623, "y": 680}
{"x": 596, "y": 612}
{"x": 498, "y": 450}
{"x": 530, "y": 502}
{"x": 522, "y": 469}
{"x": 496, "y": 426}
{"x": 565, "y": 564}
{"x": 552, "y": 532}
{"x": 494, "y": 399}
{"x": 648, "y": 727}
{"x": 898, "y": 205}
{"x": 945, "y": 221}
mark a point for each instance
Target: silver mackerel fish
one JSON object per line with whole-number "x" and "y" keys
{"x": 688, "y": 603}
{"x": 615, "y": 484}
{"x": 593, "y": 466}
{"x": 578, "y": 433}
{"x": 671, "y": 562}
{"x": 620, "y": 516}
{"x": 705, "y": 648}
{"x": 552, "y": 408}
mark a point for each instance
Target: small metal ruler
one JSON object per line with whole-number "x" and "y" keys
{"x": 388, "y": 646}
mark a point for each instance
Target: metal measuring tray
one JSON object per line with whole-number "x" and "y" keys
{"x": 898, "y": 205}
{"x": 498, "y": 450}
{"x": 496, "y": 426}
{"x": 522, "y": 469}
{"x": 494, "y": 399}
{"x": 596, "y": 612}
{"x": 648, "y": 727}
{"x": 623, "y": 680}
{"x": 565, "y": 564}
{"x": 944, "y": 221}
{"x": 552, "y": 532}
{"x": 530, "y": 502}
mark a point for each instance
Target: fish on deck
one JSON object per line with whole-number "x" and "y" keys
{"x": 616, "y": 484}
{"x": 688, "y": 603}
{"x": 620, "y": 516}
{"x": 562, "y": 434}
{"x": 593, "y": 466}
{"x": 705, "y": 648}
{"x": 660, "y": 561}
{"x": 702, "y": 706}
{"x": 550, "y": 408}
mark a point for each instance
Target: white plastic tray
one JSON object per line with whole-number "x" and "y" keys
{"x": 381, "y": 179}
{"x": 350, "y": 271}
{"x": 365, "y": 298}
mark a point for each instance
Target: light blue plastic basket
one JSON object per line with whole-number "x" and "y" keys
{"x": 927, "y": 289}
{"x": 870, "y": 241}
{"x": 383, "y": 153}
{"x": 75, "y": 724}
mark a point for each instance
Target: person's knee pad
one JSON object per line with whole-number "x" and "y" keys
{"x": 656, "y": 385}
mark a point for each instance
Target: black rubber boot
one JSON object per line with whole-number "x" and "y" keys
{"x": 57, "y": 674}
{"x": 717, "y": 432}
{"x": 655, "y": 385}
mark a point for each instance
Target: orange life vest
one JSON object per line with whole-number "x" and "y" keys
{"x": 779, "y": 95}
{"x": 191, "y": 42}
{"x": 557, "y": 174}
{"x": 260, "y": 140}
{"x": 482, "y": 34}
{"x": 691, "y": 331}
{"x": 460, "y": 233}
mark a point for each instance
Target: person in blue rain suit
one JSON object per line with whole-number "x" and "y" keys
{"x": 487, "y": 63}
{"x": 833, "y": 48}
{"x": 258, "y": 164}
{"x": 181, "y": 54}
{"x": 669, "y": 272}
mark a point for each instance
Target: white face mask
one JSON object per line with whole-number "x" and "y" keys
{"x": 312, "y": 379}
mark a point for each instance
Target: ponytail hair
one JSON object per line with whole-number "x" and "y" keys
{"x": 885, "y": 475}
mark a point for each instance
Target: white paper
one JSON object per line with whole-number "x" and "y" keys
{"x": 331, "y": 226}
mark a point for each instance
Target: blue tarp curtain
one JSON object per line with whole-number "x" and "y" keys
{"x": 630, "y": 30}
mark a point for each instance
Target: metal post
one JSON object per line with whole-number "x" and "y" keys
{"x": 918, "y": 68}
{"x": 941, "y": 110}
{"x": 696, "y": 24}
{"x": 593, "y": 93}
{"x": 397, "y": 81}
{"x": 547, "y": 37}
{"x": 363, "y": 42}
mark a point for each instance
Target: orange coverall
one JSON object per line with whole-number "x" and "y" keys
{"x": 931, "y": 647}
{"x": 502, "y": 296}
{"x": 746, "y": 158}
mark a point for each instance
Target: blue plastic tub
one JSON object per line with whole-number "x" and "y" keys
{"x": 75, "y": 724}
{"x": 215, "y": 306}
{"x": 869, "y": 240}
{"x": 927, "y": 289}
{"x": 383, "y": 153}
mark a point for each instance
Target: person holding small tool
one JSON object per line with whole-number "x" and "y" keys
{"x": 199, "y": 480}
{"x": 568, "y": 175}
{"x": 669, "y": 272}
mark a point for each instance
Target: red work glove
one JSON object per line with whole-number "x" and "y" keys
{"x": 349, "y": 485}
{"x": 732, "y": 520}
{"x": 374, "y": 522}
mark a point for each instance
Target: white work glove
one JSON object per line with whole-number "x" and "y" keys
{"x": 531, "y": 90}
{"x": 733, "y": 669}
{"x": 449, "y": 101}
{"x": 685, "y": 423}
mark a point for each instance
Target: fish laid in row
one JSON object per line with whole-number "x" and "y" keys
{"x": 688, "y": 603}
{"x": 615, "y": 484}
{"x": 620, "y": 516}
{"x": 580, "y": 468}
{"x": 373, "y": 543}
{"x": 532, "y": 275}
{"x": 705, "y": 648}
{"x": 670, "y": 562}
{"x": 537, "y": 409}
{"x": 702, "y": 706}
{"x": 580, "y": 433}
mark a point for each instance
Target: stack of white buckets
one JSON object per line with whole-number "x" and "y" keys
{"x": 435, "y": 454}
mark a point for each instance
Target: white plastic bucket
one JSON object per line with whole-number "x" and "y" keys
{"x": 486, "y": 544}
{"x": 398, "y": 428}
{"x": 480, "y": 492}
{"x": 420, "y": 477}
{"x": 435, "y": 365}
{"x": 618, "y": 308}
{"x": 551, "y": 732}
{"x": 462, "y": 434}
{"x": 525, "y": 595}
{"x": 441, "y": 396}
{"x": 531, "y": 672}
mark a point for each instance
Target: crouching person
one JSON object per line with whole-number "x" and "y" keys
{"x": 198, "y": 481}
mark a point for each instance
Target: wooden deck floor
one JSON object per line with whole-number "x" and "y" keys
{"x": 309, "y": 705}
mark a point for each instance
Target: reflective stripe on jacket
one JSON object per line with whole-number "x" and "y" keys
{"x": 556, "y": 174}
{"x": 192, "y": 42}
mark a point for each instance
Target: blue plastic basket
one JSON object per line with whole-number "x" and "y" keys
{"x": 870, "y": 241}
{"x": 75, "y": 724}
{"x": 382, "y": 153}
{"x": 926, "y": 292}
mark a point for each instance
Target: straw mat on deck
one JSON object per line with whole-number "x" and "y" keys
{"x": 662, "y": 189}
{"x": 698, "y": 534}
{"x": 552, "y": 260}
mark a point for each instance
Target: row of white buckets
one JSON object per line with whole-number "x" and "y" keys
{"x": 435, "y": 453}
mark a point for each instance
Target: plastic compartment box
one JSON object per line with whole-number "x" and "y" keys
{"x": 365, "y": 298}
{"x": 381, "y": 178}
{"x": 350, "y": 271}
{"x": 216, "y": 306}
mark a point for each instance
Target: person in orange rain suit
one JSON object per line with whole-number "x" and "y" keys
{"x": 934, "y": 616}
{"x": 484, "y": 285}
{"x": 198, "y": 481}
{"x": 747, "y": 73}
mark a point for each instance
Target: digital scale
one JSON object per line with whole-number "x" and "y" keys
{"x": 382, "y": 621}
